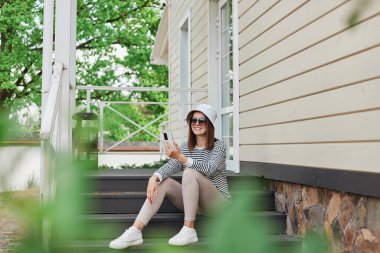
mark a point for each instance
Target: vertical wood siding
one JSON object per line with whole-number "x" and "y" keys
{"x": 310, "y": 83}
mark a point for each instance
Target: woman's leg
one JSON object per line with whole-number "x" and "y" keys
{"x": 132, "y": 236}
{"x": 170, "y": 188}
{"x": 198, "y": 191}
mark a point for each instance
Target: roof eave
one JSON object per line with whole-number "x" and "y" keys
{"x": 159, "y": 53}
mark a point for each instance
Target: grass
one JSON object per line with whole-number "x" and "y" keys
{"x": 32, "y": 182}
{"x": 21, "y": 195}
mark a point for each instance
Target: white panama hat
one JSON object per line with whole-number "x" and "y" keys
{"x": 207, "y": 110}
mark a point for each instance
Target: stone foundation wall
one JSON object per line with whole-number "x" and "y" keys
{"x": 352, "y": 222}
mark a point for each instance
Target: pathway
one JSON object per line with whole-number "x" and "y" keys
{"x": 11, "y": 231}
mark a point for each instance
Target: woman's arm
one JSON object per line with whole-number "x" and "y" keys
{"x": 152, "y": 188}
{"x": 214, "y": 163}
{"x": 174, "y": 164}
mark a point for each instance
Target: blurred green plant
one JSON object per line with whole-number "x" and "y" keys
{"x": 233, "y": 228}
{"x": 236, "y": 230}
{"x": 125, "y": 166}
{"x": 359, "y": 6}
{"x": 315, "y": 242}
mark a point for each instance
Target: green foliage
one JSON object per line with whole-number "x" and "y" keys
{"x": 115, "y": 40}
{"x": 4, "y": 125}
{"x": 114, "y": 43}
{"x": 20, "y": 52}
{"x": 118, "y": 36}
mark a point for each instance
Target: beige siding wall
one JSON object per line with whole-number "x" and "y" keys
{"x": 176, "y": 13}
{"x": 310, "y": 84}
{"x": 198, "y": 32}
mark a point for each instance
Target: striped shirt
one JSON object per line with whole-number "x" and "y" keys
{"x": 210, "y": 163}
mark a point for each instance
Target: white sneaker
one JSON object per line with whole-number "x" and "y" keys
{"x": 130, "y": 237}
{"x": 185, "y": 236}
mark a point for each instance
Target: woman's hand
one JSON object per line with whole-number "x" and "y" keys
{"x": 174, "y": 151}
{"x": 152, "y": 189}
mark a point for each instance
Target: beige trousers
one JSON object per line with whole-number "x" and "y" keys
{"x": 196, "y": 194}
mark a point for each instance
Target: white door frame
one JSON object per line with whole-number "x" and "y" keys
{"x": 184, "y": 73}
{"x": 214, "y": 67}
{"x": 236, "y": 96}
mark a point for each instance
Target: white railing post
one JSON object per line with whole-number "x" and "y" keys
{"x": 44, "y": 189}
{"x": 47, "y": 52}
{"x": 48, "y": 128}
{"x": 47, "y": 56}
{"x": 88, "y": 100}
{"x": 51, "y": 104}
{"x": 65, "y": 45}
{"x": 101, "y": 126}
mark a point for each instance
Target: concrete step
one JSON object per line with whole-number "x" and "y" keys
{"x": 136, "y": 180}
{"x": 123, "y": 203}
{"x": 131, "y": 202}
{"x": 284, "y": 244}
{"x": 107, "y": 226}
{"x": 117, "y": 196}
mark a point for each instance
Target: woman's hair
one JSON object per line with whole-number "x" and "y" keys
{"x": 210, "y": 134}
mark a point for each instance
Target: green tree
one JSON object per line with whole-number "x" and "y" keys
{"x": 20, "y": 52}
{"x": 114, "y": 42}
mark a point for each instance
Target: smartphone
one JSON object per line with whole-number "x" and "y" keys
{"x": 167, "y": 136}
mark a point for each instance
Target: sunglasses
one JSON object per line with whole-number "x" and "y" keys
{"x": 201, "y": 121}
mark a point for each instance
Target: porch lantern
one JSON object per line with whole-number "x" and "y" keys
{"x": 85, "y": 138}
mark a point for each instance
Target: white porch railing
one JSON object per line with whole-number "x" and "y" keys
{"x": 49, "y": 136}
{"x": 164, "y": 126}
{"x": 103, "y": 105}
{"x": 49, "y": 133}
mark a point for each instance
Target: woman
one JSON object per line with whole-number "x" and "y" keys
{"x": 204, "y": 182}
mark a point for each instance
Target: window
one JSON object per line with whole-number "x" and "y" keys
{"x": 184, "y": 71}
{"x": 223, "y": 70}
{"x": 226, "y": 58}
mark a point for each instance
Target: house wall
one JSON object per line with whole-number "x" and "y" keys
{"x": 198, "y": 23}
{"x": 309, "y": 84}
{"x": 309, "y": 87}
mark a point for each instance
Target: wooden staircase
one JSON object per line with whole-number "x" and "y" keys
{"x": 119, "y": 194}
